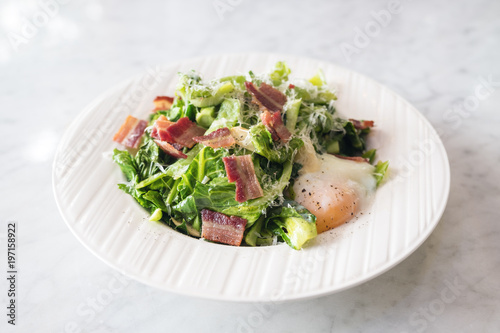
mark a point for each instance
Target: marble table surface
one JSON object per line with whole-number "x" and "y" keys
{"x": 442, "y": 56}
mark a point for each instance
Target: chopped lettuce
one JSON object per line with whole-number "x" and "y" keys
{"x": 319, "y": 79}
{"x": 292, "y": 114}
{"x": 380, "y": 171}
{"x": 227, "y": 115}
{"x": 176, "y": 169}
{"x": 280, "y": 73}
{"x": 310, "y": 93}
{"x": 126, "y": 163}
{"x": 215, "y": 97}
{"x": 370, "y": 155}
{"x": 264, "y": 145}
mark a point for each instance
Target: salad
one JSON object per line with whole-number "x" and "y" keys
{"x": 249, "y": 159}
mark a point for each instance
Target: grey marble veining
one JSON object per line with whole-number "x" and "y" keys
{"x": 436, "y": 54}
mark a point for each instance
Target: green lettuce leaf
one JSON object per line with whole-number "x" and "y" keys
{"x": 315, "y": 95}
{"x": 207, "y": 165}
{"x": 264, "y": 145}
{"x": 148, "y": 159}
{"x": 227, "y": 116}
{"x": 280, "y": 73}
{"x": 126, "y": 163}
{"x": 318, "y": 79}
{"x": 380, "y": 171}
{"x": 194, "y": 92}
{"x": 292, "y": 114}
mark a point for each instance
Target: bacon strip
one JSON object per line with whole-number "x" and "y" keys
{"x": 163, "y": 103}
{"x": 267, "y": 120}
{"x": 130, "y": 132}
{"x": 353, "y": 158}
{"x": 240, "y": 169}
{"x": 266, "y": 96}
{"x": 217, "y": 139}
{"x": 160, "y": 126}
{"x": 362, "y": 124}
{"x": 170, "y": 149}
{"x": 275, "y": 126}
{"x": 220, "y": 228}
{"x": 183, "y": 132}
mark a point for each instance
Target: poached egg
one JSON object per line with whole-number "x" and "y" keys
{"x": 333, "y": 189}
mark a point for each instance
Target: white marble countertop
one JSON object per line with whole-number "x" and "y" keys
{"x": 55, "y": 59}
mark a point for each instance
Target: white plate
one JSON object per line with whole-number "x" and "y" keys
{"x": 116, "y": 229}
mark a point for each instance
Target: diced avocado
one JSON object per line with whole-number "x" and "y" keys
{"x": 206, "y": 116}
{"x": 333, "y": 147}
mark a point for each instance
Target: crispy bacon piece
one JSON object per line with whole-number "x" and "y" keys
{"x": 240, "y": 169}
{"x": 183, "y": 131}
{"x": 267, "y": 119}
{"x": 130, "y": 132}
{"x": 177, "y": 146}
{"x": 266, "y": 96}
{"x": 362, "y": 124}
{"x": 163, "y": 103}
{"x": 353, "y": 158}
{"x": 217, "y": 139}
{"x": 159, "y": 128}
{"x": 275, "y": 126}
{"x": 180, "y": 132}
{"x": 170, "y": 149}
{"x": 154, "y": 133}
{"x": 220, "y": 228}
